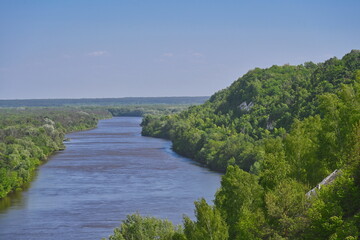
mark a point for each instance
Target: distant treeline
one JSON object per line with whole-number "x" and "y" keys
{"x": 142, "y": 110}
{"x": 103, "y": 101}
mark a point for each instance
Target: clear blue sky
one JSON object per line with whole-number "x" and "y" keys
{"x": 122, "y": 48}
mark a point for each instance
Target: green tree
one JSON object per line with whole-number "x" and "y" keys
{"x": 335, "y": 213}
{"x": 208, "y": 225}
{"x": 136, "y": 227}
{"x": 285, "y": 207}
{"x": 239, "y": 195}
{"x": 274, "y": 168}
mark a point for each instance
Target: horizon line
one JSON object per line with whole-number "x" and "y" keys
{"x": 86, "y": 98}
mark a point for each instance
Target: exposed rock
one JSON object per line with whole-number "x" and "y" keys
{"x": 246, "y": 107}
{"x": 269, "y": 125}
{"x": 328, "y": 180}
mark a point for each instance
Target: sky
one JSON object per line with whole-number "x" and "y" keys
{"x": 143, "y": 48}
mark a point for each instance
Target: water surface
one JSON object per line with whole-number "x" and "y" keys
{"x": 104, "y": 174}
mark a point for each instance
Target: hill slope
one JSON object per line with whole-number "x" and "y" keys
{"x": 263, "y": 103}
{"x": 279, "y": 132}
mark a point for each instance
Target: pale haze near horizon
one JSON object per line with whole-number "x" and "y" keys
{"x": 98, "y": 49}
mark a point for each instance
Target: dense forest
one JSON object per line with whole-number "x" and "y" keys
{"x": 29, "y": 136}
{"x": 277, "y": 132}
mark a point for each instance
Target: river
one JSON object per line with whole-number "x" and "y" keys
{"x": 103, "y": 175}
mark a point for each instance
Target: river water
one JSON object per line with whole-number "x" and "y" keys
{"x": 103, "y": 175}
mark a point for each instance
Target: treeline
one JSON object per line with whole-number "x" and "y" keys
{"x": 103, "y": 101}
{"x": 29, "y": 135}
{"x": 278, "y": 132}
{"x": 142, "y": 110}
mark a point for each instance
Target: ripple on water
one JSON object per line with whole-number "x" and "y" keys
{"x": 103, "y": 175}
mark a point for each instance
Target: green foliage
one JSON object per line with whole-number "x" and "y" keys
{"x": 29, "y": 136}
{"x": 335, "y": 213}
{"x": 136, "y": 227}
{"x": 302, "y": 151}
{"x": 208, "y": 226}
{"x": 239, "y": 196}
{"x": 268, "y": 103}
{"x": 287, "y": 128}
{"x": 285, "y": 207}
{"x": 273, "y": 168}
{"x": 142, "y": 110}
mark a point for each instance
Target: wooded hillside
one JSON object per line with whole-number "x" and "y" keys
{"x": 278, "y": 132}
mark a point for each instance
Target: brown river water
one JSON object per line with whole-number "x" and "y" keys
{"x": 103, "y": 175}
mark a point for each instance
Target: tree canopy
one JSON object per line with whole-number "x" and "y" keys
{"x": 278, "y": 132}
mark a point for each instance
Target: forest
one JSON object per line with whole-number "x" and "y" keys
{"x": 29, "y": 136}
{"x": 276, "y": 133}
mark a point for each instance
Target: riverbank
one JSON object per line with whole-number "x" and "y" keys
{"x": 28, "y": 137}
{"x": 103, "y": 175}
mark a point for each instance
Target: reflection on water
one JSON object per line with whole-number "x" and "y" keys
{"x": 15, "y": 199}
{"x": 103, "y": 175}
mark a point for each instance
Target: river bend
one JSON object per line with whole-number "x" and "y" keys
{"x": 104, "y": 174}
